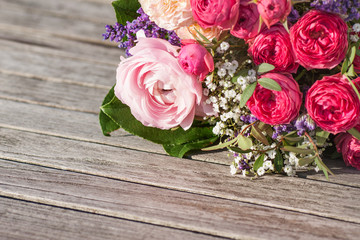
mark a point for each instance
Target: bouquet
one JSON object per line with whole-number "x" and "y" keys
{"x": 275, "y": 82}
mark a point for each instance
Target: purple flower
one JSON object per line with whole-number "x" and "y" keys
{"x": 126, "y": 35}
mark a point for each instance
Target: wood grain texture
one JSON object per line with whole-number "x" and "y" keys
{"x": 27, "y": 220}
{"x": 78, "y": 27}
{"x": 295, "y": 194}
{"x": 175, "y": 209}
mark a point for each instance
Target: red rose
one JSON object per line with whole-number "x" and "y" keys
{"x": 247, "y": 25}
{"x": 221, "y": 13}
{"x": 349, "y": 146}
{"x": 333, "y": 104}
{"x": 273, "y": 46}
{"x": 357, "y": 63}
{"x": 276, "y": 107}
{"x": 319, "y": 40}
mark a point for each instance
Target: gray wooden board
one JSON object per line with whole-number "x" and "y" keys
{"x": 159, "y": 206}
{"x": 21, "y": 219}
{"x": 295, "y": 194}
{"x": 85, "y": 29}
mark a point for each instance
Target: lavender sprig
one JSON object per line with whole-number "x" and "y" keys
{"x": 126, "y": 35}
{"x": 349, "y": 9}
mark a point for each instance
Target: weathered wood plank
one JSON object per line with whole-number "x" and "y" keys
{"x": 26, "y": 220}
{"x": 95, "y": 11}
{"x": 105, "y": 52}
{"x": 53, "y": 94}
{"x": 295, "y": 194}
{"x": 33, "y": 61}
{"x": 162, "y": 206}
{"x": 84, "y": 28}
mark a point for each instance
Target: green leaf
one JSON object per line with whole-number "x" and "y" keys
{"x": 294, "y": 139}
{"x": 351, "y": 71}
{"x": 321, "y": 137}
{"x": 278, "y": 161}
{"x": 181, "y": 149}
{"x": 321, "y": 165}
{"x": 265, "y": 67}
{"x": 221, "y": 145}
{"x": 345, "y": 66}
{"x": 197, "y": 134}
{"x": 352, "y": 54}
{"x": 238, "y": 150}
{"x": 106, "y": 123}
{"x": 202, "y": 36}
{"x": 259, "y": 162}
{"x": 306, "y": 160}
{"x": 244, "y": 143}
{"x": 354, "y": 132}
{"x": 270, "y": 84}
{"x": 256, "y": 133}
{"x": 125, "y": 10}
{"x": 246, "y": 95}
{"x": 297, "y": 150}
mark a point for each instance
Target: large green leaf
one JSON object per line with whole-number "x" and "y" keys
{"x": 198, "y": 136}
{"x": 126, "y": 10}
{"x": 106, "y": 123}
{"x": 181, "y": 149}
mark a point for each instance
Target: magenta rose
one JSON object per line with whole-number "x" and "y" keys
{"x": 221, "y": 13}
{"x": 319, "y": 40}
{"x": 333, "y": 104}
{"x": 349, "y": 146}
{"x": 153, "y": 84}
{"x": 276, "y": 107}
{"x": 247, "y": 25}
{"x": 273, "y": 11}
{"x": 195, "y": 59}
{"x": 273, "y": 46}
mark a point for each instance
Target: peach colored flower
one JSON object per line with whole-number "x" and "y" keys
{"x": 188, "y": 32}
{"x": 168, "y": 14}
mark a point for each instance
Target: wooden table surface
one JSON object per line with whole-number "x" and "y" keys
{"x": 60, "y": 178}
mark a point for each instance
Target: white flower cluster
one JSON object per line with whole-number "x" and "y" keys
{"x": 356, "y": 29}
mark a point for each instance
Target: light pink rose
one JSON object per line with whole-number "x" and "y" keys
{"x": 273, "y": 46}
{"x": 333, "y": 104}
{"x": 349, "y": 146}
{"x": 153, "y": 84}
{"x": 221, "y": 13}
{"x": 276, "y": 107}
{"x": 319, "y": 40}
{"x": 247, "y": 25}
{"x": 273, "y": 11}
{"x": 195, "y": 59}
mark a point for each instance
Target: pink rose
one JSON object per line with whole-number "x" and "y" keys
{"x": 273, "y": 46}
{"x": 273, "y": 11}
{"x": 247, "y": 25}
{"x": 158, "y": 91}
{"x": 221, "y": 13}
{"x": 333, "y": 104}
{"x": 276, "y": 107}
{"x": 319, "y": 40}
{"x": 195, "y": 59}
{"x": 349, "y": 146}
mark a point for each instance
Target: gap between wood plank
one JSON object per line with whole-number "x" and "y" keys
{"x": 114, "y": 214}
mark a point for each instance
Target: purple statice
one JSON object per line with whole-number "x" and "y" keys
{"x": 294, "y": 15}
{"x": 348, "y": 9}
{"x": 282, "y": 129}
{"x": 304, "y": 124}
{"x": 126, "y": 35}
{"x": 248, "y": 118}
